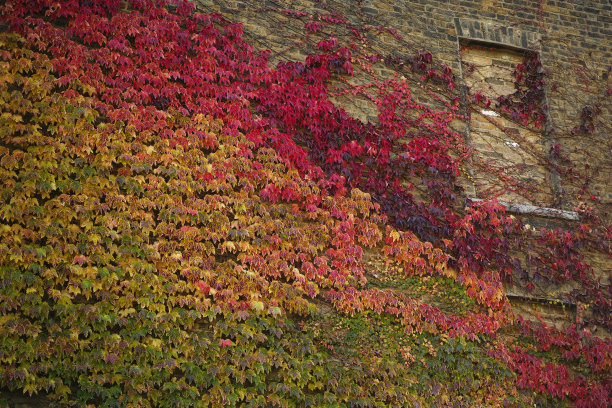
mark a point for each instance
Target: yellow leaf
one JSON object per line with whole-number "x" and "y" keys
{"x": 229, "y": 246}
{"x": 257, "y": 305}
{"x": 86, "y": 224}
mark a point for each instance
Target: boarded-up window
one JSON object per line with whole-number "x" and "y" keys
{"x": 509, "y": 160}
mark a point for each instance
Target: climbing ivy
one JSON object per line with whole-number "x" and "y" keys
{"x": 178, "y": 216}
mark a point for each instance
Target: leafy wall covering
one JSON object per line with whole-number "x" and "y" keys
{"x": 168, "y": 239}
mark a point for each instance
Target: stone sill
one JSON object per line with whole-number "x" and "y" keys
{"x": 528, "y": 209}
{"x": 550, "y": 301}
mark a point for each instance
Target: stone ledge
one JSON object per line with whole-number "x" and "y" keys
{"x": 535, "y": 210}
{"x": 551, "y": 301}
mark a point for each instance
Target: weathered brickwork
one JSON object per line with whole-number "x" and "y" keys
{"x": 573, "y": 40}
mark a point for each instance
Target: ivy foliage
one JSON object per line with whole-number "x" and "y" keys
{"x": 164, "y": 244}
{"x": 141, "y": 270}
